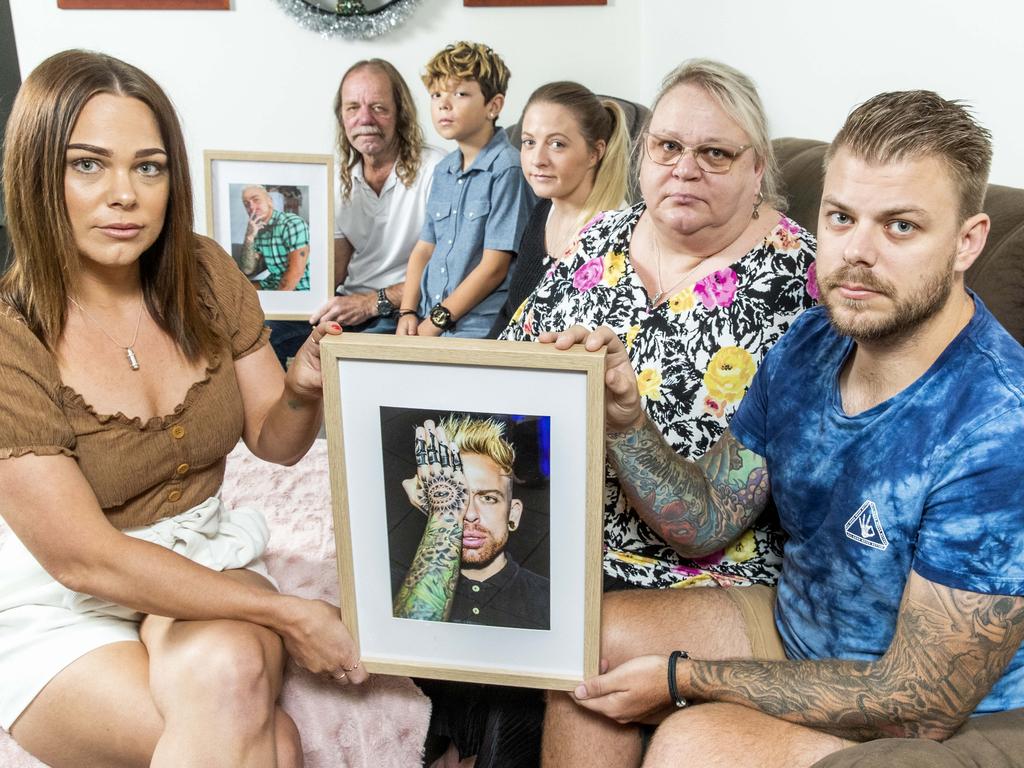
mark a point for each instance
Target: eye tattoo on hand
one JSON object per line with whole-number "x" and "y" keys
{"x": 445, "y": 495}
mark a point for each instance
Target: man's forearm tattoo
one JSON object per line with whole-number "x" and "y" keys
{"x": 250, "y": 258}
{"x": 429, "y": 587}
{"x": 697, "y": 507}
{"x": 949, "y": 648}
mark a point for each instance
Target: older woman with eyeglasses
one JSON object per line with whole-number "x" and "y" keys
{"x": 698, "y": 281}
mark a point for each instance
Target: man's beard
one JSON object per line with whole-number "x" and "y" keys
{"x": 909, "y": 313}
{"x": 483, "y": 556}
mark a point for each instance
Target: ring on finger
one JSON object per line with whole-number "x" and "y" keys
{"x": 350, "y": 669}
{"x": 339, "y": 675}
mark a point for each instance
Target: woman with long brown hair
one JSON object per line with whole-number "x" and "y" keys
{"x": 137, "y": 620}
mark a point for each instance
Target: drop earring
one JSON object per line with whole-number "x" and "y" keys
{"x": 757, "y": 204}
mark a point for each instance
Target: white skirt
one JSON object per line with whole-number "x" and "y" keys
{"x": 44, "y": 626}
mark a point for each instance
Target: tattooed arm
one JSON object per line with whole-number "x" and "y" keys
{"x": 429, "y": 587}
{"x": 948, "y": 649}
{"x": 697, "y": 507}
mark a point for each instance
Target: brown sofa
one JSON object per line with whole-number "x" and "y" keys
{"x": 998, "y": 274}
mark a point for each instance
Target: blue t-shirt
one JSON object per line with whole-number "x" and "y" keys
{"x": 485, "y": 206}
{"x": 930, "y": 480}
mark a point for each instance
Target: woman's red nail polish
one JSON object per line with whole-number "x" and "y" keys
{"x": 335, "y": 326}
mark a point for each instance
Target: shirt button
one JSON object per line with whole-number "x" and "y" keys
{"x": 177, "y": 431}
{"x": 182, "y": 469}
{"x": 460, "y": 181}
{"x": 442, "y": 270}
{"x": 470, "y": 214}
{"x": 476, "y": 611}
{"x": 437, "y": 296}
{"x": 476, "y": 587}
{"x": 449, "y": 242}
{"x": 173, "y": 496}
{"x": 438, "y": 215}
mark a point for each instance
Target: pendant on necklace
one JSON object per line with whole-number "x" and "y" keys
{"x": 133, "y": 361}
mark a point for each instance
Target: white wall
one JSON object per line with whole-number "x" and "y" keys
{"x": 253, "y": 79}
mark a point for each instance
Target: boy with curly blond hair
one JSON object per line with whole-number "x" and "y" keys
{"x": 457, "y": 276}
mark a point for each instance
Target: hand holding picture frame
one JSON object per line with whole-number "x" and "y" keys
{"x": 274, "y": 213}
{"x": 467, "y": 480}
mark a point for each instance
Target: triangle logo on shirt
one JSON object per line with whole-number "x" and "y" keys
{"x": 864, "y": 527}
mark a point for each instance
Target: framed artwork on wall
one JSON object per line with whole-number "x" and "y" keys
{"x": 504, "y": 3}
{"x": 148, "y": 5}
{"x": 467, "y": 481}
{"x": 274, "y": 214}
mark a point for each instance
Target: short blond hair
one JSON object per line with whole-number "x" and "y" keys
{"x": 902, "y": 125}
{"x": 483, "y": 436}
{"x": 469, "y": 61}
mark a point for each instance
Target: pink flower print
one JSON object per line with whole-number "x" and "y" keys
{"x": 588, "y": 275}
{"x": 592, "y": 222}
{"x": 789, "y": 225}
{"x": 717, "y": 289}
{"x": 812, "y": 281}
{"x": 714, "y": 407}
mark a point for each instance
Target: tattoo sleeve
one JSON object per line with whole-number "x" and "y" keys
{"x": 696, "y": 507}
{"x": 948, "y": 650}
{"x": 429, "y": 587}
{"x": 250, "y": 259}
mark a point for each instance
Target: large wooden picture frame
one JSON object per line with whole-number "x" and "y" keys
{"x": 299, "y": 185}
{"x": 548, "y": 405}
{"x": 148, "y": 5}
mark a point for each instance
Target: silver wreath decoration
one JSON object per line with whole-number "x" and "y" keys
{"x": 350, "y": 19}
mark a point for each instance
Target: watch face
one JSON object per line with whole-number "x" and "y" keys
{"x": 440, "y": 317}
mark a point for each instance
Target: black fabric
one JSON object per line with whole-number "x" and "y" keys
{"x": 527, "y": 269}
{"x": 513, "y": 597}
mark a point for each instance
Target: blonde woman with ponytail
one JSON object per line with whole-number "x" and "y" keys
{"x": 575, "y": 156}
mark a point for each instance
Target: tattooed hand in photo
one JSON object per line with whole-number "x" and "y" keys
{"x": 441, "y": 487}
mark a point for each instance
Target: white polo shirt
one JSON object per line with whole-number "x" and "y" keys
{"x": 383, "y": 229}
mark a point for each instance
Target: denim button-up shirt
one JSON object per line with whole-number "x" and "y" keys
{"x": 484, "y": 207}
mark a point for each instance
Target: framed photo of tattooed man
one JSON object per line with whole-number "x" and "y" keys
{"x": 273, "y": 213}
{"x": 466, "y": 477}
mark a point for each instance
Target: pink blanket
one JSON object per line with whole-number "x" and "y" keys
{"x": 380, "y": 724}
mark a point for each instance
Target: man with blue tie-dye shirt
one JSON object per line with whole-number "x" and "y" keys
{"x": 887, "y": 424}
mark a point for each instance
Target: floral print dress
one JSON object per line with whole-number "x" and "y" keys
{"x": 694, "y": 356}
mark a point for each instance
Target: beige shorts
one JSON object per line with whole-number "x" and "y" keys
{"x": 44, "y": 626}
{"x": 757, "y": 606}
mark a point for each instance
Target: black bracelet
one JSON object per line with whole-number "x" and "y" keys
{"x": 673, "y": 691}
{"x": 404, "y": 312}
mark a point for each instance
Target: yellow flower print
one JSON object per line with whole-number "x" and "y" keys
{"x": 649, "y": 383}
{"x": 729, "y": 373}
{"x": 614, "y": 266}
{"x": 682, "y": 301}
{"x": 631, "y": 335}
{"x": 742, "y": 549}
{"x": 519, "y": 312}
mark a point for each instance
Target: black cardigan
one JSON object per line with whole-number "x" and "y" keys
{"x": 528, "y": 268}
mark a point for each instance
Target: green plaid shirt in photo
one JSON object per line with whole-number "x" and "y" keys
{"x": 284, "y": 233}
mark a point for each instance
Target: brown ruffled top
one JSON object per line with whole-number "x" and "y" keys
{"x": 140, "y": 471}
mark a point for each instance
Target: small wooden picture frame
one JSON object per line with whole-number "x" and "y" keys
{"x": 301, "y": 191}
{"x": 524, "y": 606}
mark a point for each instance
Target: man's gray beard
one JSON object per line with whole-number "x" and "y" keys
{"x": 909, "y": 313}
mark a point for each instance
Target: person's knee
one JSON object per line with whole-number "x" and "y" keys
{"x": 233, "y": 666}
{"x": 287, "y": 741}
{"x": 619, "y": 627}
{"x": 688, "y": 734}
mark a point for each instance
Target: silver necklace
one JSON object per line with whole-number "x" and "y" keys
{"x": 663, "y": 292}
{"x": 129, "y": 350}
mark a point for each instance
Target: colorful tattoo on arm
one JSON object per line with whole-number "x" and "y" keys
{"x": 429, "y": 587}
{"x": 696, "y": 507}
{"x": 948, "y": 650}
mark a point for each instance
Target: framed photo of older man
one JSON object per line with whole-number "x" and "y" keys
{"x": 274, "y": 214}
{"x": 466, "y": 477}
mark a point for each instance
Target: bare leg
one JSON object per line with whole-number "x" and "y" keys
{"x": 705, "y": 622}
{"x": 215, "y": 683}
{"x": 101, "y": 711}
{"x": 732, "y": 736}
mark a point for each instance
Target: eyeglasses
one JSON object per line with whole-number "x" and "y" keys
{"x": 713, "y": 157}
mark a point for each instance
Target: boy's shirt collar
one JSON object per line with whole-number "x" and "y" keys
{"x": 453, "y": 163}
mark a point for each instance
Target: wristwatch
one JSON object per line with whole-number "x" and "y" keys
{"x": 441, "y": 317}
{"x": 384, "y": 307}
